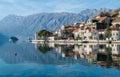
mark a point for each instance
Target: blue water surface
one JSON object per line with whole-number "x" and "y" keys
{"x": 22, "y": 59}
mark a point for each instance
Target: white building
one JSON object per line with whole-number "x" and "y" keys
{"x": 36, "y": 36}
{"x": 87, "y": 35}
{"x": 51, "y": 38}
{"x": 78, "y": 33}
{"x": 62, "y": 27}
{"x": 117, "y": 21}
{"x": 58, "y": 33}
{"x": 115, "y": 35}
{"x": 119, "y": 14}
{"x": 115, "y": 49}
{"x": 76, "y": 24}
{"x": 82, "y": 24}
{"x": 95, "y": 35}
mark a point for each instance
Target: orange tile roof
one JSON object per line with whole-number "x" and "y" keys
{"x": 114, "y": 27}
{"x": 76, "y": 30}
{"x": 117, "y": 20}
{"x": 102, "y": 30}
{"x": 82, "y": 23}
{"x": 101, "y": 18}
{"x": 91, "y": 30}
{"x": 82, "y": 28}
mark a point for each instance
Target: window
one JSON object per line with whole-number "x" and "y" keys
{"x": 113, "y": 49}
{"x": 91, "y": 46}
{"x": 112, "y": 38}
{"x": 113, "y": 34}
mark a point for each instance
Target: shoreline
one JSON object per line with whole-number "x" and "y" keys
{"x": 73, "y": 41}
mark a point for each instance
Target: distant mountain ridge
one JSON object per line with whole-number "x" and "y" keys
{"x": 26, "y": 26}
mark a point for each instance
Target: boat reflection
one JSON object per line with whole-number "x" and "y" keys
{"x": 107, "y": 55}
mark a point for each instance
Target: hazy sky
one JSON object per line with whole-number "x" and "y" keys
{"x": 27, "y": 7}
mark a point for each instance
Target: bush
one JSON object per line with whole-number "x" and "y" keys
{"x": 44, "y": 33}
{"x": 79, "y": 38}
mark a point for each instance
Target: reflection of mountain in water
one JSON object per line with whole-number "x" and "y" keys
{"x": 13, "y": 53}
{"x": 3, "y": 39}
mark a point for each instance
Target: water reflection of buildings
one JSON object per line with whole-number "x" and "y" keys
{"x": 83, "y": 51}
{"x": 103, "y": 54}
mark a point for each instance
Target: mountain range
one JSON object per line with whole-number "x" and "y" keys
{"x": 26, "y": 26}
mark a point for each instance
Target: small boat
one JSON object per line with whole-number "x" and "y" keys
{"x": 29, "y": 39}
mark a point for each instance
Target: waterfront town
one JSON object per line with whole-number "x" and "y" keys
{"x": 103, "y": 28}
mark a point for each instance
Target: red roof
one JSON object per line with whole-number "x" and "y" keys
{"x": 82, "y": 23}
{"x": 114, "y": 27}
{"x": 76, "y": 30}
{"x": 117, "y": 20}
{"x": 101, "y": 18}
{"x": 102, "y": 30}
{"x": 91, "y": 30}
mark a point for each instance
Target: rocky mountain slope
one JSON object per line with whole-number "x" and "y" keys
{"x": 26, "y": 26}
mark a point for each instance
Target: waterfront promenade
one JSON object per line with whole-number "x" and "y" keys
{"x": 73, "y": 41}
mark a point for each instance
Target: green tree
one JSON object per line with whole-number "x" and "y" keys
{"x": 65, "y": 33}
{"x": 108, "y": 51}
{"x": 79, "y": 38}
{"x": 118, "y": 25}
{"x": 44, "y": 33}
{"x": 108, "y": 33}
{"x": 44, "y": 49}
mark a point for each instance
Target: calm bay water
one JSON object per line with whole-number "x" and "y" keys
{"x": 22, "y": 59}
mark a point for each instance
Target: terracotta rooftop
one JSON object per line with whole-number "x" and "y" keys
{"x": 117, "y": 20}
{"x": 76, "y": 30}
{"x": 91, "y": 30}
{"x": 102, "y": 30}
{"x": 82, "y": 23}
{"x": 114, "y": 27}
{"x": 101, "y": 18}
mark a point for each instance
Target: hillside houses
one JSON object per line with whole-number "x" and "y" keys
{"x": 116, "y": 21}
{"x": 115, "y": 32}
{"x": 94, "y": 29}
{"x": 119, "y": 14}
